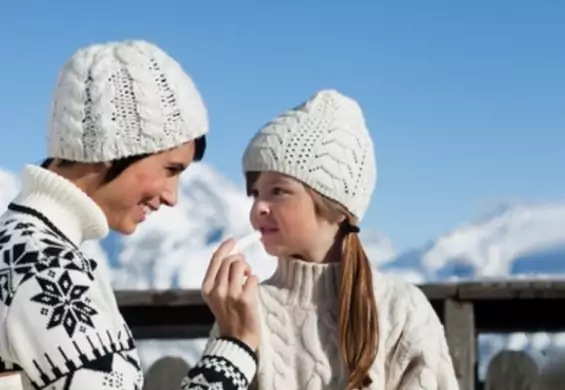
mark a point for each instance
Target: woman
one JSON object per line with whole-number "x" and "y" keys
{"x": 126, "y": 121}
{"x": 328, "y": 320}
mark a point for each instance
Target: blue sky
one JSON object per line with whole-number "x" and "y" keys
{"x": 465, "y": 100}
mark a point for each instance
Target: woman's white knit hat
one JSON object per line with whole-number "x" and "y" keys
{"x": 325, "y": 144}
{"x": 121, "y": 99}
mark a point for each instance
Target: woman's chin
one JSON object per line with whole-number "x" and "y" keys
{"x": 125, "y": 227}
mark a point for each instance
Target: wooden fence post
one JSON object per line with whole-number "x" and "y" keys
{"x": 459, "y": 323}
{"x": 512, "y": 370}
{"x": 166, "y": 373}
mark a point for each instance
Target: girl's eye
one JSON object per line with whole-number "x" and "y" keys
{"x": 278, "y": 191}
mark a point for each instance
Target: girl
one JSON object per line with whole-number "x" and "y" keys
{"x": 126, "y": 121}
{"x": 329, "y": 321}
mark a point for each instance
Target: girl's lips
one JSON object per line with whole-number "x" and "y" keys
{"x": 268, "y": 230}
{"x": 142, "y": 213}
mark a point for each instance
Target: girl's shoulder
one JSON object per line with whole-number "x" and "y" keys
{"x": 392, "y": 289}
{"x": 400, "y": 302}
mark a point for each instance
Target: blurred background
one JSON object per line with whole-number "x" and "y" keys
{"x": 465, "y": 102}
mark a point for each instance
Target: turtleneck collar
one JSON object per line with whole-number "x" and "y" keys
{"x": 305, "y": 283}
{"x": 65, "y": 205}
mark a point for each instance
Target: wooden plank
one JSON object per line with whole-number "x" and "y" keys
{"x": 515, "y": 289}
{"x": 169, "y": 318}
{"x": 512, "y": 370}
{"x": 166, "y": 373}
{"x": 513, "y": 315}
{"x": 459, "y": 323}
{"x": 503, "y": 307}
{"x": 490, "y": 290}
{"x": 172, "y": 297}
{"x": 439, "y": 290}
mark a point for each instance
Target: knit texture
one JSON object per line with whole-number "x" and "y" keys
{"x": 60, "y": 325}
{"x": 325, "y": 144}
{"x": 121, "y": 99}
{"x": 299, "y": 345}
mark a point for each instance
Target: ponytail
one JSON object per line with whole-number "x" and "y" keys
{"x": 358, "y": 325}
{"x": 358, "y": 318}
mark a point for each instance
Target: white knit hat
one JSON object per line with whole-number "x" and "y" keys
{"x": 325, "y": 144}
{"x": 121, "y": 99}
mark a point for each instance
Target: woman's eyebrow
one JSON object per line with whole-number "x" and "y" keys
{"x": 177, "y": 166}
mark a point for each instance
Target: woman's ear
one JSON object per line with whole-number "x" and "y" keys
{"x": 103, "y": 166}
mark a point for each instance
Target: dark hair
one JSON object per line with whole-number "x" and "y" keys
{"x": 120, "y": 165}
{"x": 358, "y": 324}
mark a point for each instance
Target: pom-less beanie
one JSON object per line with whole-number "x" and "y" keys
{"x": 323, "y": 143}
{"x": 121, "y": 99}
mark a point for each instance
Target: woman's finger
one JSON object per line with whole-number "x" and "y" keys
{"x": 215, "y": 264}
{"x": 238, "y": 270}
{"x": 222, "y": 277}
{"x": 250, "y": 287}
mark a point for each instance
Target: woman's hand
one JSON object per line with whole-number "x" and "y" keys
{"x": 232, "y": 299}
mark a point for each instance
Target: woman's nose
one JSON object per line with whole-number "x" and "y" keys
{"x": 169, "y": 198}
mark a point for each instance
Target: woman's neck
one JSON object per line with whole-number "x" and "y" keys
{"x": 65, "y": 205}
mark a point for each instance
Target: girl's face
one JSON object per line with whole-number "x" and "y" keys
{"x": 143, "y": 187}
{"x": 285, "y": 213}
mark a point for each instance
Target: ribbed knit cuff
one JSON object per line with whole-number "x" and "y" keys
{"x": 234, "y": 351}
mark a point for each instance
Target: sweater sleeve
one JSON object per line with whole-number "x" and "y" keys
{"x": 227, "y": 364}
{"x": 421, "y": 358}
{"x": 63, "y": 326}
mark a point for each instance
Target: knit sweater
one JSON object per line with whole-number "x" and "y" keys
{"x": 59, "y": 321}
{"x": 299, "y": 346}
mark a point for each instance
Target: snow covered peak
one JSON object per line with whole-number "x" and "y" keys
{"x": 520, "y": 240}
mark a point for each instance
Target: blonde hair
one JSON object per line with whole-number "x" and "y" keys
{"x": 358, "y": 324}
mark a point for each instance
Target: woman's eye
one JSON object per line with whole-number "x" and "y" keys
{"x": 277, "y": 191}
{"x": 173, "y": 171}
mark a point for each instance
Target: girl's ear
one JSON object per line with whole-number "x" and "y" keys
{"x": 342, "y": 218}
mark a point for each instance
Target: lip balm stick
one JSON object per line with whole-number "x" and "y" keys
{"x": 245, "y": 242}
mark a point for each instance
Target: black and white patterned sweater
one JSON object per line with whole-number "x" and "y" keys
{"x": 59, "y": 320}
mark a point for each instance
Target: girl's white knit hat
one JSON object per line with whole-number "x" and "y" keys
{"x": 325, "y": 144}
{"x": 122, "y": 99}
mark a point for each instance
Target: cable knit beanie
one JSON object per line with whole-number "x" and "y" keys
{"x": 122, "y": 99}
{"x": 325, "y": 144}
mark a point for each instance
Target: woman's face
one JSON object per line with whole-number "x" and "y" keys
{"x": 143, "y": 187}
{"x": 284, "y": 212}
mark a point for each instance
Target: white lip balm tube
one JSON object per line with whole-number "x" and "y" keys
{"x": 246, "y": 241}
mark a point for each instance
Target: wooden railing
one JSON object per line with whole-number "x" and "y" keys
{"x": 466, "y": 310}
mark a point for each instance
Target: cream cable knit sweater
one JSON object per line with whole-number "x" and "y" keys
{"x": 299, "y": 346}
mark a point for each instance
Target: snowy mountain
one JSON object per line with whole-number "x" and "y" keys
{"x": 173, "y": 246}
{"x": 525, "y": 240}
